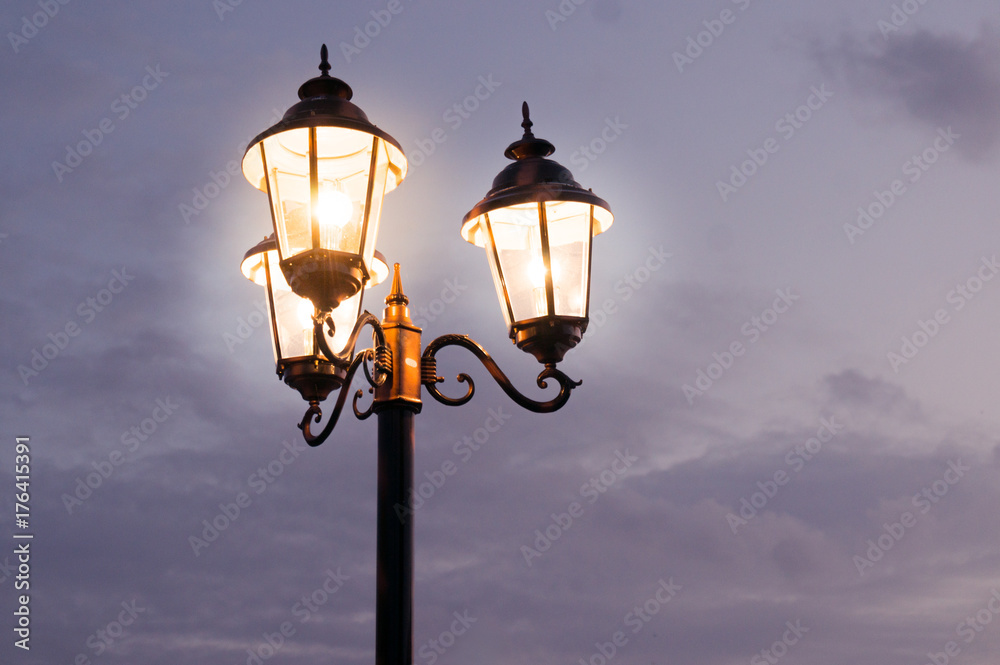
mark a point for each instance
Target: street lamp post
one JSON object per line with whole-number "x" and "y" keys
{"x": 325, "y": 168}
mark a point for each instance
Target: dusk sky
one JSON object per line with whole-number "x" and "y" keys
{"x": 786, "y": 447}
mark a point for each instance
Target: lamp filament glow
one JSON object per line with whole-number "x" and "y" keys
{"x": 305, "y": 314}
{"x": 333, "y": 208}
{"x": 536, "y": 274}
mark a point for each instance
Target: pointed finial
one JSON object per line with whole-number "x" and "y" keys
{"x": 528, "y": 145}
{"x": 324, "y": 63}
{"x": 396, "y": 296}
{"x": 526, "y": 123}
{"x": 325, "y": 85}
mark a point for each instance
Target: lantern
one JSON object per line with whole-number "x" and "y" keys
{"x": 537, "y": 224}
{"x": 325, "y": 168}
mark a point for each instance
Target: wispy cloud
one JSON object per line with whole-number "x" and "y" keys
{"x": 933, "y": 79}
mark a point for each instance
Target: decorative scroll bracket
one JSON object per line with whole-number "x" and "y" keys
{"x": 381, "y": 359}
{"x": 430, "y": 379}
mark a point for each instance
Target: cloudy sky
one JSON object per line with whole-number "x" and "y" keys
{"x": 786, "y": 445}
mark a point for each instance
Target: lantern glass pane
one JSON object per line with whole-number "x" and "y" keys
{"x": 344, "y": 318}
{"x": 569, "y": 251}
{"x": 295, "y": 322}
{"x": 292, "y": 316}
{"x": 516, "y": 231}
{"x": 343, "y": 165}
{"x": 380, "y": 178}
{"x": 290, "y": 207}
{"x": 518, "y": 246}
{"x": 495, "y": 270}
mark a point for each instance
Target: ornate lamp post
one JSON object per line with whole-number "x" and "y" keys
{"x": 325, "y": 168}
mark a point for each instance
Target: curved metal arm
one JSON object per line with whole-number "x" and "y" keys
{"x": 381, "y": 359}
{"x": 315, "y": 413}
{"x": 366, "y": 318}
{"x": 430, "y": 377}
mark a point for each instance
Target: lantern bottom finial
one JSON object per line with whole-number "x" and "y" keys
{"x": 314, "y": 379}
{"x": 548, "y": 338}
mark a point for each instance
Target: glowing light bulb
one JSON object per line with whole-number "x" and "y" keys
{"x": 305, "y": 314}
{"x": 334, "y": 208}
{"x": 536, "y": 275}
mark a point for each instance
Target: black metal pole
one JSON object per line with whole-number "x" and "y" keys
{"x": 394, "y": 567}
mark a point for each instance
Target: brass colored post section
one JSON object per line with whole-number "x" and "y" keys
{"x": 403, "y": 338}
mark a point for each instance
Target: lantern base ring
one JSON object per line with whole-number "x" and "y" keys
{"x": 326, "y": 277}
{"x": 314, "y": 378}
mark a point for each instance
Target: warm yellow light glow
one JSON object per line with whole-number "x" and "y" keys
{"x": 259, "y": 275}
{"x": 305, "y": 313}
{"x": 536, "y": 274}
{"x": 334, "y": 208}
{"x": 253, "y": 269}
